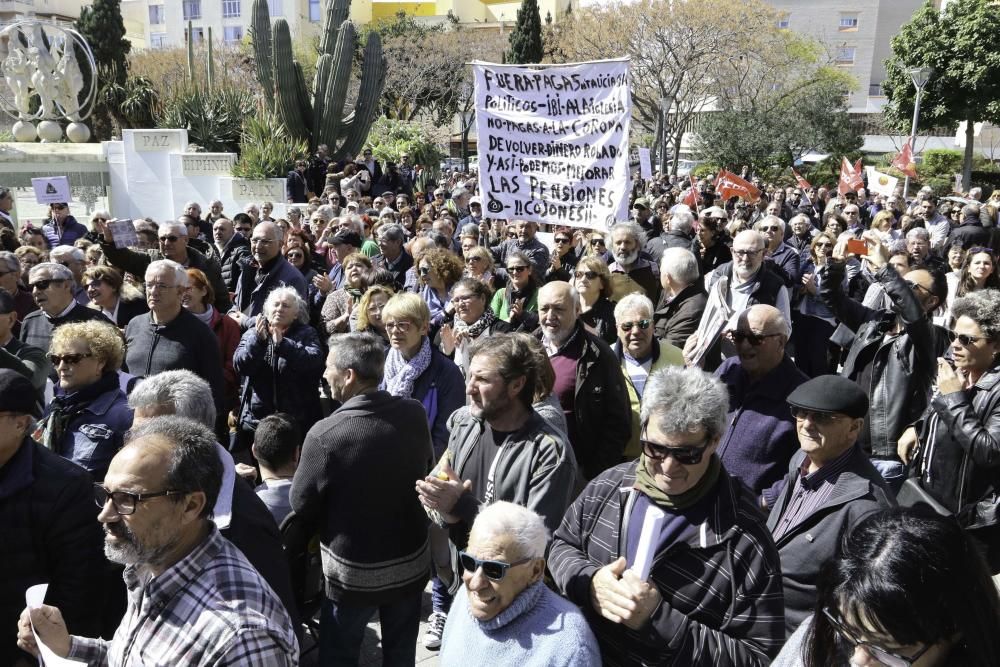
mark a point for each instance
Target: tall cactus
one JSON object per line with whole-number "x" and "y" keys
{"x": 320, "y": 117}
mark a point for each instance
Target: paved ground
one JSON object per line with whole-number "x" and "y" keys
{"x": 371, "y": 650}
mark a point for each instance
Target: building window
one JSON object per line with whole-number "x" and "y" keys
{"x": 230, "y": 9}
{"x": 274, "y": 7}
{"x": 315, "y": 12}
{"x": 197, "y": 34}
{"x": 845, "y": 55}
{"x": 192, "y": 9}
{"x": 848, "y": 22}
{"x": 782, "y": 22}
{"x": 155, "y": 14}
{"x": 232, "y": 33}
{"x": 157, "y": 40}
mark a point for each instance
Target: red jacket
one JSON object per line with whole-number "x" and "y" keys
{"x": 228, "y": 332}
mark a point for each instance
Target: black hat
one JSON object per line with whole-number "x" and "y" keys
{"x": 17, "y": 394}
{"x": 831, "y": 393}
{"x": 346, "y": 236}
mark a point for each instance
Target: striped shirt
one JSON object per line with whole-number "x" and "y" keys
{"x": 209, "y": 608}
{"x": 811, "y": 492}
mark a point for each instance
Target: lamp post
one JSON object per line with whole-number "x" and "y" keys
{"x": 920, "y": 76}
{"x": 665, "y": 103}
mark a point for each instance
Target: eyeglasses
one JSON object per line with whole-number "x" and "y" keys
{"x": 261, "y": 241}
{"x": 295, "y": 255}
{"x": 173, "y": 238}
{"x": 642, "y": 324}
{"x": 424, "y": 270}
{"x": 495, "y": 570}
{"x": 152, "y": 286}
{"x": 71, "y": 359}
{"x": 884, "y": 656}
{"x": 688, "y": 456}
{"x": 814, "y": 416}
{"x": 589, "y": 275}
{"x": 402, "y": 326}
{"x": 746, "y": 253}
{"x": 770, "y": 228}
{"x": 44, "y": 284}
{"x": 739, "y": 337}
{"x": 560, "y": 241}
{"x": 473, "y": 259}
{"x": 465, "y": 298}
{"x": 914, "y": 286}
{"x": 964, "y": 339}
{"x": 516, "y": 269}
{"x": 125, "y": 502}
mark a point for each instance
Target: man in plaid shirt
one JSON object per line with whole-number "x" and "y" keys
{"x": 193, "y": 598}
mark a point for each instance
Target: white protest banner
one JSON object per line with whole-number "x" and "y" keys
{"x": 553, "y": 142}
{"x": 51, "y": 190}
{"x": 881, "y": 183}
{"x": 645, "y": 166}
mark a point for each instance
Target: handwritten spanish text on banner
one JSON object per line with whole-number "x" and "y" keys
{"x": 553, "y": 142}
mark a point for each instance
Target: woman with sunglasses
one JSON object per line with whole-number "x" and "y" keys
{"x": 908, "y": 588}
{"x": 563, "y": 260}
{"x": 955, "y": 446}
{"x": 87, "y": 420}
{"x": 592, "y": 281}
{"x": 479, "y": 265}
{"x": 813, "y": 323}
{"x": 517, "y": 303}
{"x": 298, "y": 252}
{"x": 338, "y": 309}
{"x": 597, "y": 246}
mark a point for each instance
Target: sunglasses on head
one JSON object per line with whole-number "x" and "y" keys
{"x": 740, "y": 337}
{"x": 44, "y": 284}
{"x": 642, "y": 324}
{"x": 964, "y": 339}
{"x": 494, "y": 570}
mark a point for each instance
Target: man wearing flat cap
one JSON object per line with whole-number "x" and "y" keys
{"x": 831, "y": 485}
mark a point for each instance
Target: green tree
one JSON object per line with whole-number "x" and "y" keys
{"x": 962, "y": 44}
{"x": 102, "y": 26}
{"x": 526, "y": 40}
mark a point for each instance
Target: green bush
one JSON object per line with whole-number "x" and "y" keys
{"x": 213, "y": 119}
{"x": 705, "y": 170}
{"x": 267, "y": 149}
{"x": 390, "y": 138}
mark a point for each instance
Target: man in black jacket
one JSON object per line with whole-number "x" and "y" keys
{"x": 683, "y": 301}
{"x": 52, "y": 287}
{"x": 296, "y": 187}
{"x": 233, "y": 248}
{"x": 588, "y": 384}
{"x": 49, "y": 528}
{"x": 830, "y": 486}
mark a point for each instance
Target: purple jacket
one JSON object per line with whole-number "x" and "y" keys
{"x": 760, "y": 439}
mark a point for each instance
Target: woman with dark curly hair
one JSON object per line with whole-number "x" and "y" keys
{"x": 438, "y": 270}
{"x": 907, "y": 588}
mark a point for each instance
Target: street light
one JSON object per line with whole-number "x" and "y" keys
{"x": 665, "y": 103}
{"x": 920, "y": 76}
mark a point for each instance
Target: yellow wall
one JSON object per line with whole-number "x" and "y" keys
{"x": 384, "y": 10}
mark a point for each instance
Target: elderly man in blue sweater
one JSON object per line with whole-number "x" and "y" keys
{"x": 505, "y": 614}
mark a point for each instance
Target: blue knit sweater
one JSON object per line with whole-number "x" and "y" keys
{"x": 538, "y": 629}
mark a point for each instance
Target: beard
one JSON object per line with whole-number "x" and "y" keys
{"x": 628, "y": 259}
{"x": 129, "y": 550}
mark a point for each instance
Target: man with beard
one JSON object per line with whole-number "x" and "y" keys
{"x": 500, "y": 448}
{"x": 588, "y": 381}
{"x": 193, "y": 597}
{"x": 631, "y": 273}
{"x": 526, "y": 243}
{"x": 377, "y": 556}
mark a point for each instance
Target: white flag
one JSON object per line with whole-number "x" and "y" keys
{"x": 883, "y": 184}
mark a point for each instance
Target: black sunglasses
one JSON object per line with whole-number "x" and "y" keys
{"x": 494, "y": 570}
{"x": 756, "y": 340}
{"x": 71, "y": 359}
{"x": 516, "y": 269}
{"x": 884, "y": 656}
{"x": 44, "y": 284}
{"x": 589, "y": 275}
{"x": 424, "y": 271}
{"x": 642, "y": 324}
{"x": 173, "y": 238}
{"x": 813, "y": 415}
{"x": 560, "y": 240}
{"x": 965, "y": 339}
{"x": 688, "y": 456}
{"x": 596, "y": 241}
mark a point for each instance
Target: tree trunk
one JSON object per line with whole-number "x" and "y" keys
{"x": 677, "y": 147}
{"x": 658, "y": 144}
{"x": 970, "y": 145}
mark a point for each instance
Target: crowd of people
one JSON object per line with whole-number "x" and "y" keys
{"x": 716, "y": 433}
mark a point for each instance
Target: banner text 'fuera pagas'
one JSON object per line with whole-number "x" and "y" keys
{"x": 553, "y": 142}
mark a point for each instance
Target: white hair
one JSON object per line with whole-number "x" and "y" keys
{"x": 173, "y": 226}
{"x": 55, "y": 271}
{"x": 524, "y": 528}
{"x": 631, "y": 303}
{"x": 67, "y": 252}
{"x": 682, "y": 221}
{"x": 633, "y": 229}
{"x": 681, "y": 265}
{"x": 918, "y": 232}
{"x": 770, "y": 220}
{"x": 279, "y": 293}
{"x": 180, "y": 273}
{"x": 758, "y": 238}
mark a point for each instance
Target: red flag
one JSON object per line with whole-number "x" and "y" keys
{"x": 728, "y": 185}
{"x": 904, "y": 161}
{"x": 691, "y": 196}
{"x": 850, "y": 177}
{"x": 803, "y": 183}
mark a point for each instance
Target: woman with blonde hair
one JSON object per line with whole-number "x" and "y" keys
{"x": 370, "y": 311}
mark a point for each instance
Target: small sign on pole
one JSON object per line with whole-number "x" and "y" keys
{"x": 645, "y": 168}
{"x": 51, "y": 190}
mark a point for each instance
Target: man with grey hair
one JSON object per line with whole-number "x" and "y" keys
{"x": 376, "y": 557}
{"x": 714, "y": 582}
{"x": 970, "y": 232}
{"x": 503, "y": 571}
{"x": 683, "y": 302}
{"x": 73, "y": 259}
{"x": 588, "y": 381}
{"x": 211, "y": 605}
{"x": 918, "y": 245}
{"x": 678, "y": 232}
{"x": 631, "y": 272}
{"x": 173, "y": 237}
{"x": 780, "y": 257}
{"x": 268, "y": 270}
{"x": 52, "y": 288}
{"x": 393, "y": 256}
{"x": 240, "y": 515}
{"x": 169, "y": 337}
